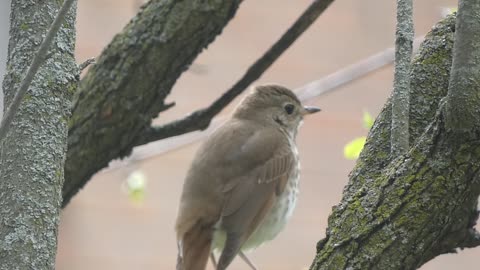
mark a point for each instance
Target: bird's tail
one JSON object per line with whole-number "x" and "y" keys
{"x": 194, "y": 247}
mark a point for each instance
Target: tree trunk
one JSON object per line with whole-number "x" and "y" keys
{"x": 4, "y": 27}
{"x": 33, "y": 153}
{"x": 127, "y": 87}
{"x": 400, "y": 212}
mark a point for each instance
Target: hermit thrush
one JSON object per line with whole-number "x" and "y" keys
{"x": 242, "y": 185}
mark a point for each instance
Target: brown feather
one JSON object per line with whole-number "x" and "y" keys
{"x": 194, "y": 247}
{"x": 251, "y": 199}
{"x": 233, "y": 247}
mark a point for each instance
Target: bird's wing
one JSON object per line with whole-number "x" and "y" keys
{"x": 235, "y": 177}
{"x": 249, "y": 196}
{"x": 272, "y": 172}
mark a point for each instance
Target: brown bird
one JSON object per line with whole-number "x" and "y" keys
{"x": 242, "y": 185}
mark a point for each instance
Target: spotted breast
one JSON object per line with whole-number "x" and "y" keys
{"x": 275, "y": 221}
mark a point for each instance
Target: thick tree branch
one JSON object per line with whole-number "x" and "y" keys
{"x": 400, "y": 213}
{"x": 401, "y": 82}
{"x": 127, "y": 87}
{"x": 199, "y": 120}
{"x": 463, "y": 94}
{"x": 37, "y": 61}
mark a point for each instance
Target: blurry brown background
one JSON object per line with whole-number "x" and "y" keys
{"x": 103, "y": 229}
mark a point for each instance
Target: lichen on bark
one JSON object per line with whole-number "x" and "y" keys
{"x": 139, "y": 68}
{"x": 399, "y": 212}
{"x": 32, "y": 154}
{"x": 400, "y": 98}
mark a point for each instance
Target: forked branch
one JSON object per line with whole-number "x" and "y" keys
{"x": 201, "y": 119}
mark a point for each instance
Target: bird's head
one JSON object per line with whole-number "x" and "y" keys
{"x": 274, "y": 105}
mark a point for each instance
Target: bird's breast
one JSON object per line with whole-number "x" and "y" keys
{"x": 275, "y": 221}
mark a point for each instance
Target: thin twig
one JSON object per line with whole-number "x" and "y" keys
{"x": 399, "y": 139}
{"x": 86, "y": 63}
{"x": 32, "y": 70}
{"x": 199, "y": 120}
{"x": 350, "y": 73}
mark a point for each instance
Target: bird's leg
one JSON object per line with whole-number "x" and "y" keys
{"x": 212, "y": 258}
{"x": 246, "y": 260}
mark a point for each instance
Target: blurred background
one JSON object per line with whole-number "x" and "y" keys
{"x": 107, "y": 227}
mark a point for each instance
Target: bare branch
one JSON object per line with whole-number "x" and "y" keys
{"x": 118, "y": 97}
{"x": 350, "y": 73}
{"x": 463, "y": 110}
{"x": 32, "y": 70}
{"x": 200, "y": 119}
{"x": 86, "y": 63}
{"x": 401, "y": 84}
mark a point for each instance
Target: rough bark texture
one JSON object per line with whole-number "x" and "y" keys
{"x": 464, "y": 90}
{"x": 36, "y": 63}
{"x": 32, "y": 154}
{"x": 399, "y": 213}
{"x": 128, "y": 85}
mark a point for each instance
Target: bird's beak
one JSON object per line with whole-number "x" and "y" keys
{"x": 310, "y": 110}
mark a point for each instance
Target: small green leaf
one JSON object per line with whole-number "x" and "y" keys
{"x": 367, "y": 120}
{"x": 352, "y": 149}
{"x": 452, "y": 9}
{"x": 135, "y": 186}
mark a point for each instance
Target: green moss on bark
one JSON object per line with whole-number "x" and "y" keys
{"x": 419, "y": 205}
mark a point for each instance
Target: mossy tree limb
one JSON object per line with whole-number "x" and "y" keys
{"x": 400, "y": 212}
{"x": 127, "y": 87}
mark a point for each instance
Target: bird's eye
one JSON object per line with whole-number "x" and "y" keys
{"x": 289, "y": 108}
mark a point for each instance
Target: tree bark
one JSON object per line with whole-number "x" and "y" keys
{"x": 127, "y": 87}
{"x": 400, "y": 212}
{"x": 401, "y": 81}
{"x": 464, "y": 90}
{"x": 32, "y": 154}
